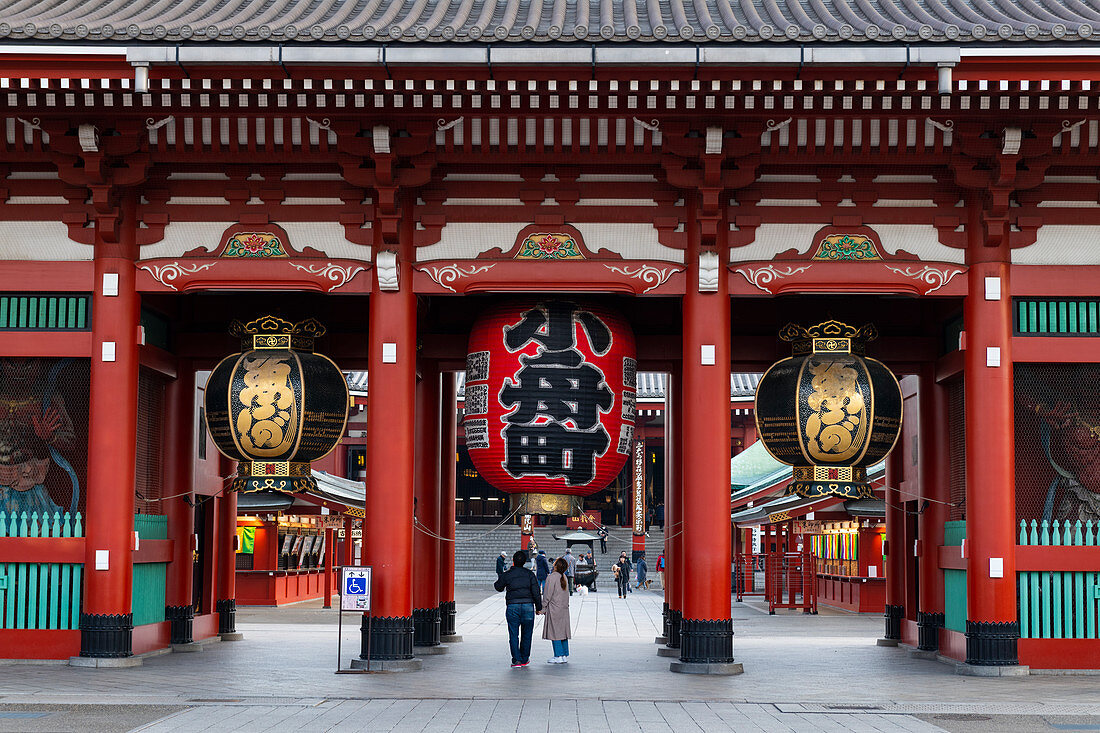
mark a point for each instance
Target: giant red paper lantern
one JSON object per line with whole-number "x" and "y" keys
{"x": 550, "y": 400}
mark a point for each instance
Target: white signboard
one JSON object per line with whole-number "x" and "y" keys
{"x": 354, "y": 588}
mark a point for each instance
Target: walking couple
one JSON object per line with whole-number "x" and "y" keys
{"x": 524, "y": 600}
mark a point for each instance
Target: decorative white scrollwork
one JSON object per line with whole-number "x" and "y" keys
{"x": 165, "y": 274}
{"x": 761, "y": 276}
{"x": 442, "y": 124}
{"x": 945, "y": 126}
{"x": 928, "y": 275}
{"x": 341, "y": 276}
{"x": 449, "y": 273}
{"x": 772, "y": 125}
{"x": 655, "y": 277}
{"x": 652, "y": 125}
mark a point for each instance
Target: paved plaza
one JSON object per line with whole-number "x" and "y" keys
{"x": 802, "y": 673}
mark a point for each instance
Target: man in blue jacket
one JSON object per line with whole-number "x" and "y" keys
{"x": 524, "y": 600}
{"x": 542, "y": 567}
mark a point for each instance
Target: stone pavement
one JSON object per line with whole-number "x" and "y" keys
{"x": 802, "y": 673}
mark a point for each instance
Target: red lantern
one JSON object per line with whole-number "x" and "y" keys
{"x": 550, "y": 400}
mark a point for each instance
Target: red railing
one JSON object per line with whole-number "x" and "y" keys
{"x": 790, "y": 581}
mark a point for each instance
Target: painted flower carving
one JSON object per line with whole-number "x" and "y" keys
{"x": 253, "y": 243}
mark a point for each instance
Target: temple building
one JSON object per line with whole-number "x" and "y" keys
{"x": 698, "y": 175}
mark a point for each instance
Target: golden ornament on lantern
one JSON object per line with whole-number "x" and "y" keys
{"x": 828, "y": 410}
{"x": 276, "y": 406}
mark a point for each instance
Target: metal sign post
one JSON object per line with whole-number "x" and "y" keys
{"x": 355, "y": 595}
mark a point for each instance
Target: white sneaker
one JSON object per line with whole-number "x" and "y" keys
{"x": 554, "y": 660}
{"x": 563, "y": 660}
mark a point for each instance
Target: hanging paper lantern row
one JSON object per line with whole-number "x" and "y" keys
{"x": 550, "y": 398}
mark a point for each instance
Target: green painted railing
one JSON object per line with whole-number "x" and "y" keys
{"x": 44, "y": 312}
{"x": 1056, "y": 604}
{"x": 40, "y": 595}
{"x": 954, "y": 581}
{"x": 150, "y": 579}
{"x": 1057, "y": 316}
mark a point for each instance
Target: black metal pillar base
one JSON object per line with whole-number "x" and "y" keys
{"x": 227, "y": 615}
{"x": 673, "y": 636}
{"x": 181, "y": 619}
{"x": 706, "y": 642}
{"x": 992, "y": 643}
{"x": 106, "y": 636}
{"x": 664, "y": 620}
{"x": 388, "y": 637}
{"x": 426, "y": 626}
{"x": 928, "y": 630}
{"x": 893, "y": 616}
{"x": 447, "y": 615}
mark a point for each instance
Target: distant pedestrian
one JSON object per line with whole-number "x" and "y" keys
{"x": 571, "y": 568}
{"x": 502, "y": 563}
{"x": 603, "y": 540}
{"x": 524, "y": 600}
{"x": 556, "y": 625}
{"x": 621, "y": 570}
{"x": 642, "y": 569}
{"x": 661, "y": 516}
{"x": 661, "y": 569}
{"x": 542, "y": 567}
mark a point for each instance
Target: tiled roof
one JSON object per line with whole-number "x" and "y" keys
{"x": 586, "y": 21}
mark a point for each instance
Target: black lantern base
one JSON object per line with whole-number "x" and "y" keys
{"x": 426, "y": 626}
{"x": 286, "y": 484}
{"x": 928, "y": 631}
{"x": 106, "y": 636}
{"x": 447, "y": 615}
{"x": 706, "y": 642}
{"x": 387, "y": 637}
{"x": 673, "y": 636}
{"x": 992, "y": 643}
{"x": 227, "y": 615}
{"x": 893, "y": 616}
{"x": 181, "y": 620}
{"x": 822, "y": 489}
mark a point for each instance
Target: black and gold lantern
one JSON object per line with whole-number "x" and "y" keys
{"x": 276, "y": 406}
{"x": 828, "y": 410}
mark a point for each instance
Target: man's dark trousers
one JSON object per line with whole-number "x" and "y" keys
{"x": 521, "y": 620}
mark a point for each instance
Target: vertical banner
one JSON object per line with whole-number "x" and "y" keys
{"x": 526, "y": 530}
{"x": 639, "y": 498}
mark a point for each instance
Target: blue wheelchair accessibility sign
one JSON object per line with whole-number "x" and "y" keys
{"x": 355, "y": 588}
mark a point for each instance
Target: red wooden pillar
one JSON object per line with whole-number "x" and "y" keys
{"x": 894, "y": 562}
{"x": 106, "y": 619}
{"x": 936, "y": 492}
{"x": 330, "y": 559}
{"x": 349, "y": 543}
{"x": 706, "y": 631}
{"x": 673, "y": 513}
{"x": 447, "y": 466}
{"x": 992, "y": 625}
{"x": 425, "y": 545}
{"x": 179, "y": 457}
{"x": 227, "y": 567}
{"x": 387, "y": 528}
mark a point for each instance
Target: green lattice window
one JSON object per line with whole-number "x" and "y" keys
{"x": 45, "y": 312}
{"x": 1057, "y": 316}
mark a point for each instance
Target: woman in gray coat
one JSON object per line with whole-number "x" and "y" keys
{"x": 555, "y": 607}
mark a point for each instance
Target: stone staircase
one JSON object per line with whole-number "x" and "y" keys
{"x": 476, "y": 549}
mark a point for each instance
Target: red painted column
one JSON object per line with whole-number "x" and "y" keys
{"x": 106, "y": 620}
{"x": 673, "y": 512}
{"x": 706, "y": 632}
{"x": 894, "y": 562}
{"x": 227, "y": 566}
{"x": 330, "y": 557}
{"x": 935, "y": 492}
{"x": 387, "y": 528}
{"x": 349, "y": 543}
{"x": 992, "y": 625}
{"x": 425, "y": 545}
{"x": 447, "y": 466}
{"x": 179, "y": 457}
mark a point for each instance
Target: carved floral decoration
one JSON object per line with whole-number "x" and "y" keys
{"x": 846, "y": 248}
{"x": 549, "y": 247}
{"x": 254, "y": 244}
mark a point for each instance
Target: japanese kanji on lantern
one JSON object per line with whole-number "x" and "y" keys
{"x": 276, "y": 406}
{"x": 550, "y": 400}
{"x": 828, "y": 410}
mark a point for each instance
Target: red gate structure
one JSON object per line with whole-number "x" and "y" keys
{"x": 790, "y": 581}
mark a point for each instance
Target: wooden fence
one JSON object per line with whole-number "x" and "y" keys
{"x": 1059, "y": 604}
{"x": 40, "y": 595}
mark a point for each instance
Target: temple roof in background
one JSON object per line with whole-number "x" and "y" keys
{"x": 271, "y": 22}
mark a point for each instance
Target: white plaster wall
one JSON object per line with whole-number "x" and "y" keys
{"x": 40, "y": 240}
{"x": 327, "y": 236}
{"x": 920, "y": 240}
{"x": 463, "y": 241}
{"x": 1061, "y": 245}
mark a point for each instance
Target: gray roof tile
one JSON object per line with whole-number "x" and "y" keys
{"x": 572, "y": 21}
